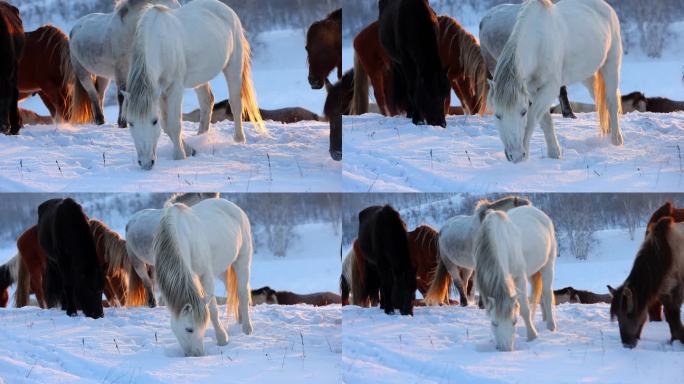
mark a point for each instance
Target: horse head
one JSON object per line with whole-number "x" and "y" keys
{"x": 141, "y": 111}
{"x": 510, "y": 102}
{"x": 189, "y": 326}
{"x": 323, "y": 45}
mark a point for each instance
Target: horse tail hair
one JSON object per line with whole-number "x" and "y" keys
{"x": 79, "y": 109}
{"x": 601, "y": 102}
{"x": 358, "y": 280}
{"x": 360, "y": 97}
{"x": 345, "y": 288}
{"x": 250, "y": 109}
{"x": 23, "y": 289}
{"x": 439, "y": 288}
{"x": 137, "y": 295}
{"x": 232, "y": 294}
{"x": 536, "y": 283}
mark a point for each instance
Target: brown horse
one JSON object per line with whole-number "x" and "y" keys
{"x": 222, "y": 112}
{"x": 45, "y": 69}
{"x": 459, "y": 52}
{"x": 12, "y": 42}
{"x": 573, "y": 296}
{"x": 111, "y": 253}
{"x": 657, "y": 273}
{"x": 113, "y": 256}
{"x": 31, "y": 118}
{"x": 655, "y": 312}
{"x": 324, "y": 48}
{"x": 424, "y": 254}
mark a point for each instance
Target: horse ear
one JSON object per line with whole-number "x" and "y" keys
{"x": 125, "y": 94}
{"x": 491, "y": 83}
{"x": 611, "y": 290}
{"x": 187, "y": 309}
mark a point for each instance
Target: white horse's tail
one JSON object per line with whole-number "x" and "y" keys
{"x": 231, "y": 293}
{"x": 602, "y": 102}
{"x": 250, "y": 108}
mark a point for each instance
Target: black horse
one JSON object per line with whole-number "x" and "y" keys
{"x": 73, "y": 275}
{"x": 338, "y": 103}
{"x": 384, "y": 242}
{"x": 12, "y": 42}
{"x": 408, "y": 33}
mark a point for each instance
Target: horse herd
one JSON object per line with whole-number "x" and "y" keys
{"x": 526, "y": 53}
{"x": 153, "y": 50}
{"x": 500, "y": 248}
{"x": 69, "y": 260}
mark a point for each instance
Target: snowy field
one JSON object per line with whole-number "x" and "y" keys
{"x": 102, "y": 158}
{"x": 135, "y": 345}
{"x": 455, "y": 344}
{"x": 392, "y": 154}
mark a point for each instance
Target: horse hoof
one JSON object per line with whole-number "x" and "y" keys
{"x": 247, "y": 329}
{"x": 618, "y": 140}
{"x": 123, "y": 124}
{"x": 336, "y": 155}
{"x": 569, "y": 115}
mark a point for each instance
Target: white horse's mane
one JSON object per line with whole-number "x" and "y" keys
{"x": 142, "y": 85}
{"x": 175, "y": 279}
{"x": 509, "y": 84}
{"x": 190, "y": 198}
{"x": 491, "y": 279}
{"x": 502, "y": 204}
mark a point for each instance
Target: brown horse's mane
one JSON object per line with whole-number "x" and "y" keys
{"x": 115, "y": 254}
{"x": 665, "y": 210}
{"x": 468, "y": 59}
{"x": 651, "y": 265}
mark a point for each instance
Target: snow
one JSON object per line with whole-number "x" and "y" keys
{"x": 455, "y": 344}
{"x": 293, "y": 159}
{"x": 137, "y": 345}
{"x": 392, "y": 154}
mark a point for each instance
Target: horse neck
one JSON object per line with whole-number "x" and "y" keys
{"x": 493, "y": 245}
{"x": 651, "y": 266}
{"x": 176, "y": 280}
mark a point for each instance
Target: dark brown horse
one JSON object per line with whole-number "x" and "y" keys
{"x": 45, "y": 69}
{"x": 657, "y": 274}
{"x": 222, "y": 112}
{"x": 324, "y": 48}
{"x": 663, "y": 105}
{"x": 458, "y": 51}
{"x": 11, "y": 49}
{"x": 574, "y": 296}
{"x": 409, "y": 35}
{"x": 338, "y": 103}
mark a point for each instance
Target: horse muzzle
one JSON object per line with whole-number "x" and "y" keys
{"x": 315, "y": 83}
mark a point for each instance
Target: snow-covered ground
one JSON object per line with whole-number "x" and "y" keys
{"x": 392, "y": 154}
{"x": 289, "y": 344}
{"x": 103, "y": 158}
{"x": 455, "y": 344}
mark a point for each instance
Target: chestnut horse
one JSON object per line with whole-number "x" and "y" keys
{"x": 110, "y": 254}
{"x": 12, "y": 42}
{"x": 655, "y": 312}
{"x": 459, "y": 52}
{"x": 324, "y": 48}
{"x": 45, "y": 68}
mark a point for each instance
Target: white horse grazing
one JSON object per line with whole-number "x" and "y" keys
{"x": 186, "y": 48}
{"x": 139, "y": 243}
{"x": 553, "y": 45}
{"x": 100, "y": 45}
{"x": 192, "y": 247}
{"x": 456, "y": 239}
{"x": 511, "y": 247}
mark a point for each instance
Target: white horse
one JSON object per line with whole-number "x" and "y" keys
{"x": 139, "y": 243}
{"x": 100, "y": 45}
{"x": 511, "y": 247}
{"x": 553, "y": 45}
{"x": 456, "y": 239}
{"x": 192, "y": 247}
{"x": 186, "y": 48}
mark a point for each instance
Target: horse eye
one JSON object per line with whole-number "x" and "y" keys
{"x": 155, "y": 121}
{"x": 188, "y": 330}
{"x": 523, "y": 113}
{"x": 131, "y": 124}
{"x": 498, "y": 117}
{"x": 495, "y": 323}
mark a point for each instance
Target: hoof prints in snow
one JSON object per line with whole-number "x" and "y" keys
{"x": 103, "y": 158}
{"x": 391, "y": 154}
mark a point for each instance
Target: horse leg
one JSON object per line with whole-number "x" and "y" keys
{"x": 14, "y": 116}
{"x": 611, "y": 77}
{"x": 171, "y": 107}
{"x": 206, "y": 106}
{"x": 87, "y": 82}
{"x": 51, "y": 105}
{"x": 565, "y": 103}
{"x": 672, "y": 303}
{"x": 233, "y": 76}
{"x": 242, "y": 272}
{"x": 548, "y": 309}
{"x": 371, "y": 287}
{"x": 539, "y": 111}
{"x": 552, "y": 145}
{"x": 459, "y": 284}
{"x": 521, "y": 288}
{"x": 141, "y": 269}
{"x": 655, "y": 311}
{"x": 208, "y": 285}
{"x": 120, "y": 89}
